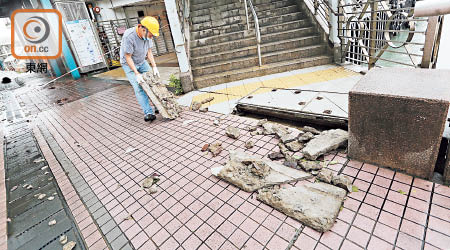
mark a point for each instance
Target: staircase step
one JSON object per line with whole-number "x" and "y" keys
{"x": 222, "y": 5}
{"x": 252, "y": 60}
{"x": 235, "y": 75}
{"x": 286, "y": 31}
{"x": 272, "y": 5}
{"x": 251, "y": 50}
{"x": 217, "y": 16}
{"x": 218, "y": 24}
{"x": 277, "y": 11}
{"x": 271, "y": 20}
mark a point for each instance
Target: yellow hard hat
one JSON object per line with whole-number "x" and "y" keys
{"x": 151, "y": 24}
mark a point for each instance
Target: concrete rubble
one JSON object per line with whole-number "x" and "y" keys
{"x": 249, "y": 144}
{"x": 195, "y": 105}
{"x": 233, "y": 132}
{"x": 306, "y": 137}
{"x": 324, "y": 142}
{"x": 63, "y": 239}
{"x": 149, "y": 184}
{"x": 342, "y": 182}
{"x": 316, "y": 205}
{"x": 215, "y": 148}
{"x": 251, "y": 173}
{"x": 311, "y": 130}
{"x": 163, "y": 99}
{"x": 311, "y": 165}
{"x": 275, "y": 155}
{"x": 294, "y": 146}
{"x": 69, "y": 246}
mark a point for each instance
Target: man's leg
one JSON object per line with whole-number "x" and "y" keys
{"x": 141, "y": 96}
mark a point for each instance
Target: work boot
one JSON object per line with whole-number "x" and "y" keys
{"x": 149, "y": 117}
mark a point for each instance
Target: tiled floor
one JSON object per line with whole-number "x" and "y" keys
{"x": 196, "y": 210}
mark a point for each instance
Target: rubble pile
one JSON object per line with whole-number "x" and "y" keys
{"x": 316, "y": 204}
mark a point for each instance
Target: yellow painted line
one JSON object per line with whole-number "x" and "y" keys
{"x": 297, "y": 80}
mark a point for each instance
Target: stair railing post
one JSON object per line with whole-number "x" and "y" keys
{"x": 316, "y": 6}
{"x": 373, "y": 33}
{"x": 246, "y": 14}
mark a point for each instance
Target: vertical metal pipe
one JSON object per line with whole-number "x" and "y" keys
{"x": 246, "y": 14}
{"x": 373, "y": 33}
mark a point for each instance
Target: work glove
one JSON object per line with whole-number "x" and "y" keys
{"x": 156, "y": 72}
{"x": 139, "y": 78}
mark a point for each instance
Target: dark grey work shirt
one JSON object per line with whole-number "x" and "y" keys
{"x": 134, "y": 45}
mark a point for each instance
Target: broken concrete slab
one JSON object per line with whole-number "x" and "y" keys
{"x": 215, "y": 148}
{"x": 283, "y": 149}
{"x": 251, "y": 173}
{"x": 311, "y": 165}
{"x": 286, "y": 138}
{"x": 342, "y": 181}
{"x": 327, "y": 141}
{"x": 316, "y": 205}
{"x": 233, "y": 132}
{"x": 163, "y": 99}
{"x": 325, "y": 175}
{"x": 290, "y": 162}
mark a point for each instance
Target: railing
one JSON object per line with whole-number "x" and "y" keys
{"x": 258, "y": 32}
{"x": 384, "y": 33}
{"x": 322, "y": 11}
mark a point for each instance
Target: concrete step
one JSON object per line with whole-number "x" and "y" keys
{"x": 235, "y": 75}
{"x": 298, "y": 25}
{"x": 273, "y": 5}
{"x": 224, "y": 23}
{"x": 277, "y": 11}
{"x": 272, "y": 20}
{"x": 217, "y": 9}
{"x": 217, "y": 16}
{"x": 252, "y": 60}
{"x": 241, "y": 52}
{"x": 218, "y": 4}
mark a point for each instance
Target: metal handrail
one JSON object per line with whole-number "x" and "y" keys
{"x": 258, "y": 32}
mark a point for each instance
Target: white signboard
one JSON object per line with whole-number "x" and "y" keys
{"x": 83, "y": 39}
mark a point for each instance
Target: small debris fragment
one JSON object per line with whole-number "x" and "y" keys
{"x": 69, "y": 246}
{"x": 249, "y": 144}
{"x": 209, "y": 99}
{"x": 311, "y": 129}
{"x": 216, "y": 122}
{"x": 152, "y": 190}
{"x": 187, "y": 122}
{"x": 52, "y": 222}
{"x": 129, "y": 150}
{"x": 13, "y": 188}
{"x": 150, "y": 181}
{"x": 311, "y": 165}
{"x": 294, "y": 146}
{"x": 205, "y": 147}
{"x": 256, "y": 132}
{"x": 46, "y": 172}
{"x": 203, "y": 110}
{"x": 325, "y": 175}
{"x": 306, "y": 137}
{"x": 63, "y": 239}
{"x": 261, "y": 122}
{"x": 232, "y": 132}
{"x": 129, "y": 217}
{"x": 290, "y": 162}
{"x": 275, "y": 156}
{"x": 41, "y": 196}
{"x": 251, "y": 128}
{"x": 315, "y": 172}
{"x": 215, "y": 148}
{"x": 355, "y": 189}
{"x": 342, "y": 182}
{"x": 196, "y": 106}
{"x": 50, "y": 198}
{"x": 28, "y": 186}
{"x": 8, "y": 220}
{"x": 44, "y": 167}
{"x": 283, "y": 149}
{"x": 39, "y": 160}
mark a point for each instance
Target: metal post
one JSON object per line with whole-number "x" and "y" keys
{"x": 373, "y": 33}
{"x": 430, "y": 38}
{"x": 246, "y": 14}
{"x": 316, "y": 6}
{"x": 334, "y": 22}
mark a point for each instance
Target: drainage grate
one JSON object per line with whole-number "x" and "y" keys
{"x": 29, "y": 216}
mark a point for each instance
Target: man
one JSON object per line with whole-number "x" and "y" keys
{"x": 136, "y": 46}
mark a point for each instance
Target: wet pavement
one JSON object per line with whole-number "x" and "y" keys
{"x": 100, "y": 150}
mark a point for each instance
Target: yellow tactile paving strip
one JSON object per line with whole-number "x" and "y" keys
{"x": 297, "y": 80}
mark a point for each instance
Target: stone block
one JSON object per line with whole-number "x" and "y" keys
{"x": 397, "y": 118}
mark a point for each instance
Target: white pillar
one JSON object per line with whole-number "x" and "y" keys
{"x": 334, "y": 22}
{"x": 178, "y": 38}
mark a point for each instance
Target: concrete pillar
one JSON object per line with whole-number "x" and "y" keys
{"x": 180, "y": 49}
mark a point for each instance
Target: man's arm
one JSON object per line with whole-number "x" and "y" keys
{"x": 131, "y": 63}
{"x": 151, "y": 58}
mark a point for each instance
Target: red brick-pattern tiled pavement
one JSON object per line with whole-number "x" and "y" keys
{"x": 89, "y": 231}
{"x": 196, "y": 210}
{"x": 3, "y": 212}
